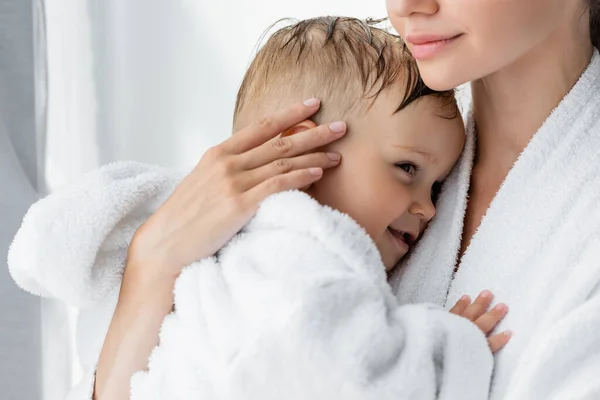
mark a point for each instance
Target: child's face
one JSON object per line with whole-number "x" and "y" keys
{"x": 392, "y": 165}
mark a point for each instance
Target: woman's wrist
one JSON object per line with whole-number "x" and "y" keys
{"x": 150, "y": 274}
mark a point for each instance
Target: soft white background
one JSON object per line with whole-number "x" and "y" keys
{"x": 148, "y": 80}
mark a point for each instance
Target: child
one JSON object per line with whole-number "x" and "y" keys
{"x": 402, "y": 138}
{"x": 297, "y": 305}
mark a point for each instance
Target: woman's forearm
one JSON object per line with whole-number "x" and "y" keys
{"x": 133, "y": 333}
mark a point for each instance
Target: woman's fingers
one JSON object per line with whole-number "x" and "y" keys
{"x": 282, "y": 182}
{"x": 221, "y": 194}
{"x": 290, "y": 146}
{"x": 498, "y": 341}
{"x": 269, "y": 127}
{"x": 285, "y": 165}
{"x": 479, "y": 306}
{"x": 490, "y": 319}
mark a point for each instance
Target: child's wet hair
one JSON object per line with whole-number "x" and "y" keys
{"x": 345, "y": 62}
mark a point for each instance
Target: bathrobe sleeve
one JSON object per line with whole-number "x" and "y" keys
{"x": 286, "y": 313}
{"x": 73, "y": 243}
{"x": 72, "y": 246}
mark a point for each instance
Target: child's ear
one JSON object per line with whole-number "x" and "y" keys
{"x": 300, "y": 127}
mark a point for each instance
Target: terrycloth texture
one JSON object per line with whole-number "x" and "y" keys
{"x": 70, "y": 245}
{"x": 296, "y": 306}
{"x": 537, "y": 249}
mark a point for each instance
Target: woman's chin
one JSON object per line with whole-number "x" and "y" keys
{"x": 440, "y": 77}
{"x": 446, "y": 71}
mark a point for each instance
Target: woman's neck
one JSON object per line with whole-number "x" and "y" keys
{"x": 511, "y": 104}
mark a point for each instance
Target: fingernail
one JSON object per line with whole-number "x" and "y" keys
{"x": 502, "y": 307}
{"x": 486, "y": 294}
{"x": 465, "y": 298}
{"x": 312, "y": 102}
{"x": 334, "y": 156}
{"x": 337, "y": 127}
{"x": 315, "y": 171}
{"x": 507, "y": 333}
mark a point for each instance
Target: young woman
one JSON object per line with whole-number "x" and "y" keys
{"x": 518, "y": 216}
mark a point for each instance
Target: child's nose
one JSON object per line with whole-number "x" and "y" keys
{"x": 423, "y": 208}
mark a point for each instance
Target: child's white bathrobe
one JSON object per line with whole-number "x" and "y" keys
{"x": 537, "y": 249}
{"x": 296, "y": 306}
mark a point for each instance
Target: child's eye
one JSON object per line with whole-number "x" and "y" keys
{"x": 409, "y": 168}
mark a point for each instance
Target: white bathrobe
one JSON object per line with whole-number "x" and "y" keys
{"x": 296, "y": 306}
{"x": 537, "y": 249}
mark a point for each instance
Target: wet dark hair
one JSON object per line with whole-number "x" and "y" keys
{"x": 595, "y": 22}
{"x": 343, "y": 61}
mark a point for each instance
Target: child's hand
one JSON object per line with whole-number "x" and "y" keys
{"x": 485, "y": 320}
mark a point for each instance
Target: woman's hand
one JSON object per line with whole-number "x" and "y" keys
{"x": 209, "y": 206}
{"x": 225, "y": 189}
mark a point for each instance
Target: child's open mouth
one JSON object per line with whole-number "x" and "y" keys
{"x": 406, "y": 238}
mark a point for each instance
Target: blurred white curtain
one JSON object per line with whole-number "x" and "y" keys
{"x": 148, "y": 80}
{"x": 155, "y": 80}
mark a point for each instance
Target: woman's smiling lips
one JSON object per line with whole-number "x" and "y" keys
{"x": 426, "y": 46}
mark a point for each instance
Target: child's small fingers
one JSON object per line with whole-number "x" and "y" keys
{"x": 479, "y": 306}
{"x": 461, "y": 305}
{"x": 497, "y": 342}
{"x": 490, "y": 319}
